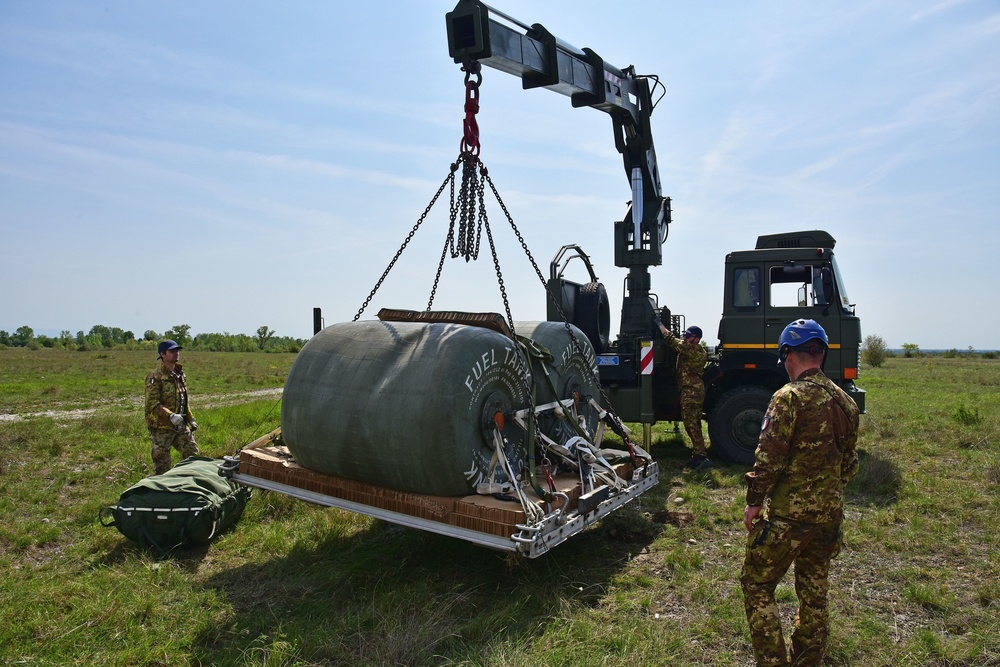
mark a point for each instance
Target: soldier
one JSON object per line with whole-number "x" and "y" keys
{"x": 806, "y": 455}
{"x": 691, "y": 358}
{"x": 168, "y": 416}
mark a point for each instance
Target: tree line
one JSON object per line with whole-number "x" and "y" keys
{"x": 101, "y": 337}
{"x": 874, "y": 352}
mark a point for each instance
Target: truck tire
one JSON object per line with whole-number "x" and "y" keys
{"x": 735, "y": 423}
{"x": 593, "y": 315}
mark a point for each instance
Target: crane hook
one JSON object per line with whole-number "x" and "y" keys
{"x": 470, "y": 135}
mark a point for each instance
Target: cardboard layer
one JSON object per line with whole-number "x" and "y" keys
{"x": 485, "y": 514}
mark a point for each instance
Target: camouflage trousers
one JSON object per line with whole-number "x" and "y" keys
{"x": 692, "y": 399}
{"x": 772, "y": 547}
{"x": 163, "y": 440}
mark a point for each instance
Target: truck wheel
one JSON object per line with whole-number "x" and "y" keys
{"x": 593, "y": 315}
{"x": 735, "y": 423}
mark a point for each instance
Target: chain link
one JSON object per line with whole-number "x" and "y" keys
{"x": 496, "y": 266}
{"x": 471, "y": 217}
{"x": 470, "y": 127}
{"x": 448, "y": 240}
{"x": 409, "y": 237}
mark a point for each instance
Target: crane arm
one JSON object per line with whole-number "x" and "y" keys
{"x": 543, "y": 61}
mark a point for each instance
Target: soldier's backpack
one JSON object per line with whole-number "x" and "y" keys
{"x": 187, "y": 505}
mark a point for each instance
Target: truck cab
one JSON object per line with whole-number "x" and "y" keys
{"x": 786, "y": 277}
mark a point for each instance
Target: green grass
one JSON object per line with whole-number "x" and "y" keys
{"x": 918, "y": 582}
{"x": 47, "y": 379}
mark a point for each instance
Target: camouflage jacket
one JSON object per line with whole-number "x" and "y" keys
{"x": 807, "y": 451}
{"x": 166, "y": 393}
{"x": 690, "y": 361}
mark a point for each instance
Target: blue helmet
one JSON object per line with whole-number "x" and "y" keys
{"x": 799, "y": 333}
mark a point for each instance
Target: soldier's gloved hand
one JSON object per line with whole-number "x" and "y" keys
{"x": 658, "y": 322}
{"x": 193, "y": 425}
{"x": 177, "y": 420}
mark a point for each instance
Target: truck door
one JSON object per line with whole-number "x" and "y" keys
{"x": 742, "y": 327}
{"x": 802, "y": 291}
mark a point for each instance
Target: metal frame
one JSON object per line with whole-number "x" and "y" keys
{"x": 531, "y": 540}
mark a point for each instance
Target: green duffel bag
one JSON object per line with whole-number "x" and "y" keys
{"x": 189, "y": 504}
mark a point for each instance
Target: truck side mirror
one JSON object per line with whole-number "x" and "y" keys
{"x": 827, "y": 277}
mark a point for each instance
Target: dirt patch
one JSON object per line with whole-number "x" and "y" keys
{"x": 204, "y": 401}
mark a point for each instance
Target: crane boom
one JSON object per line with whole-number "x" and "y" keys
{"x": 543, "y": 61}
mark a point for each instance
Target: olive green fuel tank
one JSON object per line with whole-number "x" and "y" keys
{"x": 572, "y": 370}
{"x": 409, "y": 405}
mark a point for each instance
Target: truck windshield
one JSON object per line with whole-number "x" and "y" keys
{"x": 845, "y": 302}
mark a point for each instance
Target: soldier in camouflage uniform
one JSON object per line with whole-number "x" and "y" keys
{"x": 691, "y": 358}
{"x": 168, "y": 416}
{"x": 806, "y": 455}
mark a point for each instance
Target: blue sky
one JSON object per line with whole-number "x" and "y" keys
{"x": 228, "y": 165}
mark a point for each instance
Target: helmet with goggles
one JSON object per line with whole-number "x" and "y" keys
{"x": 799, "y": 335}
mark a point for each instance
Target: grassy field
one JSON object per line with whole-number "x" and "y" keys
{"x": 918, "y": 582}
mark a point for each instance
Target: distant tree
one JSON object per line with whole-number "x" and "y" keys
{"x": 23, "y": 337}
{"x": 911, "y": 350}
{"x": 100, "y": 336}
{"x": 873, "y": 351}
{"x": 108, "y": 337}
{"x": 66, "y": 338}
{"x": 227, "y": 342}
{"x": 150, "y": 335}
{"x": 4, "y": 338}
{"x": 210, "y": 342}
{"x": 263, "y": 335}
{"x": 179, "y": 334}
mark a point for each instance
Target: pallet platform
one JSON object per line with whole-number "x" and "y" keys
{"x": 485, "y": 520}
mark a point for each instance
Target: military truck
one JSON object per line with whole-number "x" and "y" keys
{"x": 786, "y": 277}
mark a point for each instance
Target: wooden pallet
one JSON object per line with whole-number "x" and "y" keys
{"x": 484, "y": 514}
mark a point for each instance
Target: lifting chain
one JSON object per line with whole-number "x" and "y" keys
{"x": 468, "y": 209}
{"x": 409, "y": 237}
